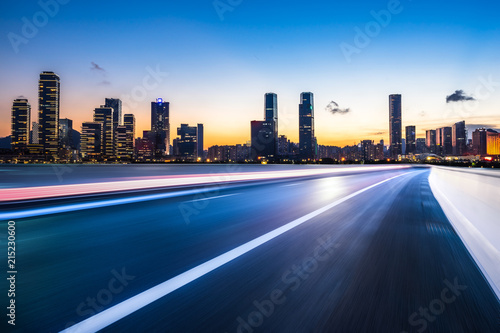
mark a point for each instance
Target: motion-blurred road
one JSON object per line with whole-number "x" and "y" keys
{"x": 376, "y": 259}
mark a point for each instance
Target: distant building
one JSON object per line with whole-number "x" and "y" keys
{"x": 262, "y": 137}
{"x": 237, "y": 153}
{"x": 144, "y": 149}
{"x": 479, "y": 141}
{"x": 104, "y": 115}
{"x": 411, "y": 140}
{"x": 160, "y": 126}
{"x": 187, "y": 143}
{"x": 20, "y": 125}
{"x": 91, "y": 140}
{"x": 307, "y": 144}
{"x": 459, "y": 139}
{"x": 492, "y": 142}
{"x": 444, "y": 144}
{"x": 395, "y": 126}
{"x": 271, "y": 115}
{"x": 420, "y": 146}
{"x": 283, "y": 146}
{"x": 65, "y": 133}
{"x": 200, "y": 152}
{"x": 430, "y": 141}
{"x": 34, "y": 139}
{"x": 116, "y": 105}
{"x": 48, "y": 112}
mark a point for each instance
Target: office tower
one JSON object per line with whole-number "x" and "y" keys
{"x": 92, "y": 137}
{"x": 187, "y": 141}
{"x": 271, "y": 115}
{"x": 395, "y": 126}
{"x": 20, "y": 125}
{"x": 367, "y": 150}
{"x": 479, "y": 141}
{"x": 129, "y": 123}
{"x": 283, "y": 145}
{"x": 411, "y": 140}
{"x": 48, "y": 112}
{"x": 443, "y": 141}
{"x": 306, "y": 126}
{"x": 160, "y": 126}
{"x": 492, "y": 142}
{"x": 420, "y": 146}
{"x": 430, "y": 141}
{"x": 116, "y": 105}
{"x": 34, "y": 133}
{"x": 459, "y": 138}
{"x": 199, "y": 142}
{"x": 262, "y": 140}
{"x": 65, "y": 133}
{"x": 104, "y": 115}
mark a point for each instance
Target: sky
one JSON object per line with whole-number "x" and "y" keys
{"x": 214, "y": 61}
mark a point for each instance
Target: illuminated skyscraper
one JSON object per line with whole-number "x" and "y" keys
{"x": 65, "y": 132}
{"x": 395, "y": 126}
{"x": 34, "y": 133}
{"x": 124, "y": 140}
{"x": 48, "y": 112}
{"x": 459, "y": 138}
{"x": 160, "y": 126}
{"x": 479, "y": 141}
{"x": 307, "y": 144}
{"x": 200, "y": 153}
{"x": 104, "y": 115}
{"x": 187, "y": 141}
{"x": 116, "y": 105}
{"x": 271, "y": 115}
{"x": 92, "y": 135}
{"x": 262, "y": 139}
{"x": 443, "y": 141}
{"x": 430, "y": 141}
{"x": 492, "y": 142}
{"x": 411, "y": 140}
{"x": 20, "y": 125}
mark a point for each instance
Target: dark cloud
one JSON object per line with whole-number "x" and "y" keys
{"x": 105, "y": 83}
{"x": 333, "y": 108}
{"x": 96, "y": 67}
{"x": 379, "y": 133}
{"x": 459, "y": 96}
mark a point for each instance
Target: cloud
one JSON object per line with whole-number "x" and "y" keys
{"x": 333, "y": 108}
{"x": 459, "y": 96}
{"x": 105, "y": 83}
{"x": 378, "y": 133}
{"x": 96, "y": 67}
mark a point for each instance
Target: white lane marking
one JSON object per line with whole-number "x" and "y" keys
{"x": 125, "y": 308}
{"x": 290, "y": 185}
{"x": 217, "y": 197}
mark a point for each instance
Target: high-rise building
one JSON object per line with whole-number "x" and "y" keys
{"x": 187, "y": 143}
{"x": 92, "y": 136}
{"x": 104, "y": 115}
{"x": 48, "y": 112}
{"x": 116, "y": 105}
{"x": 20, "y": 125}
{"x": 307, "y": 144}
{"x": 492, "y": 142}
{"x": 160, "y": 126}
{"x": 271, "y": 115}
{"x": 34, "y": 139}
{"x": 262, "y": 137}
{"x": 411, "y": 140}
{"x": 420, "y": 146}
{"x": 124, "y": 140}
{"x": 430, "y": 141}
{"x": 200, "y": 153}
{"x": 395, "y": 126}
{"x": 65, "y": 133}
{"x": 283, "y": 146}
{"x": 459, "y": 138}
{"x": 479, "y": 142}
{"x": 443, "y": 141}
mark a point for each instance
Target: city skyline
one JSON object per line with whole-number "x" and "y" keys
{"x": 219, "y": 75}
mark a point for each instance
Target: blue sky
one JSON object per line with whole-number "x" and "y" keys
{"x": 218, "y": 70}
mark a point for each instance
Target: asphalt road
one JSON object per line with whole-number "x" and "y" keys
{"x": 386, "y": 259}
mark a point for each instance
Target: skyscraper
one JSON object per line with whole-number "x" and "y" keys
{"x": 271, "y": 115}
{"x": 104, "y": 115}
{"x": 92, "y": 134}
{"x": 395, "y": 125}
{"x": 492, "y": 142}
{"x": 160, "y": 126}
{"x": 479, "y": 141}
{"x": 187, "y": 143}
{"x": 459, "y": 138}
{"x": 262, "y": 137}
{"x": 48, "y": 112}
{"x": 20, "y": 134}
{"x": 306, "y": 126}
{"x": 34, "y": 133}
{"x": 411, "y": 138}
{"x": 116, "y": 105}
{"x": 430, "y": 141}
{"x": 124, "y": 138}
{"x": 65, "y": 132}
{"x": 199, "y": 141}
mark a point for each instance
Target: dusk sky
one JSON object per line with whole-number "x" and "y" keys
{"x": 221, "y": 62}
